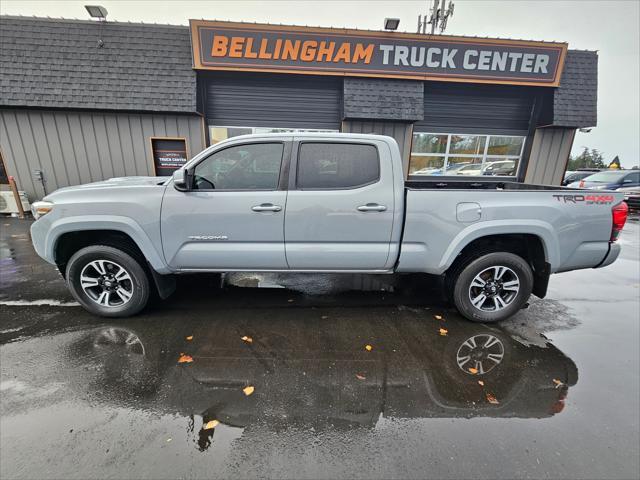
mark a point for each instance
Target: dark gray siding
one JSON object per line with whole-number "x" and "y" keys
{"x": 575, "y": 100}
{"x": 400, "y": 131}
{"x": 57, "y": 63}
{"x": 382, "y": 99}
{"x": 465, "y": 108}
{"x": 73, "y": 147}
{"x": 549, "y": 155}
{"x": 272, "y": 100}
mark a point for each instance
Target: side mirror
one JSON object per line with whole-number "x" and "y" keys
{"x": 181, "y": 179}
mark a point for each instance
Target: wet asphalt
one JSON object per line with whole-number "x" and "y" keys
{"x": 555, "y": 393}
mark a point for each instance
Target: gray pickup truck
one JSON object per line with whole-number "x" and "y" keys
{"x": 321, "y": 203}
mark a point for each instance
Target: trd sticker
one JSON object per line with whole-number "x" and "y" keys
{"x": 587, "y": 199}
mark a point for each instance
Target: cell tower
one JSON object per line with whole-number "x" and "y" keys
{"x": 437, "y": 18}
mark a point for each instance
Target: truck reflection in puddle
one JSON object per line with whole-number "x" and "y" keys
{"x": 310, "y": 369}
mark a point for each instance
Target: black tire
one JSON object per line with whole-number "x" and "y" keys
{"x": 462, "y": 285}
{"x": 137, "y": 282}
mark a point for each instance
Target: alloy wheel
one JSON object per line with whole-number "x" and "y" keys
{"x": 494, "y": 288}
{"x": 106, "y": 283}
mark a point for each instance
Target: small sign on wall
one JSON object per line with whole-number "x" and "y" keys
{"x": 169, "y": 154}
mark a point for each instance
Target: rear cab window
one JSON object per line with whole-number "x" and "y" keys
{"x": 326, "y": 165}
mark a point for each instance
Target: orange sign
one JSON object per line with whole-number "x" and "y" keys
{"x": 326, "y": 51}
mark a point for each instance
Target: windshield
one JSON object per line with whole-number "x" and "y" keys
{"x": 605, "y": 177}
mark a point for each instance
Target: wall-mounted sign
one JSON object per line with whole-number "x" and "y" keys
{"x": 169, "y": 154}
{"x": 325, "y": 51}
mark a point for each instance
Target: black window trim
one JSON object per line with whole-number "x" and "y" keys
{"x": 282, "y": 174}
{"x": 293, "y": 179}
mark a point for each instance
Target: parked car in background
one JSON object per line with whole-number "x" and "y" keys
{"x": 610, "y": 180}
{"x": 502, "y": 168}
{"x": 452, "y": 169}
{"x": 471, "y": 169}
{"x": 631, "y": 197}
{"x": 576, "y": 176}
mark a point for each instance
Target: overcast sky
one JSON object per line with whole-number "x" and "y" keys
{"x": 610, "y": 27}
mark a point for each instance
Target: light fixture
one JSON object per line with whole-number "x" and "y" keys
{"x": 97, "y": 11}
{"x": 391, "y": 23}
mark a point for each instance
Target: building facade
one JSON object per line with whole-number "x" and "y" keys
{"x": 82, "y": 101}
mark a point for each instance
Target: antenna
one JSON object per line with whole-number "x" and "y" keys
{"x": 438, "y": 15}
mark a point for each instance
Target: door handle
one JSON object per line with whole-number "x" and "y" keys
{"x": 266, "y": 207}
{"x": 372, "y": 207}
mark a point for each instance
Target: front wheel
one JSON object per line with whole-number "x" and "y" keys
{"x": 493, "y": 287}
{"x": 107, "y": 281}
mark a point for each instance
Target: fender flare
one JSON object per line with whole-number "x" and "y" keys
{"x": 541, "y": 229}
{"x": 107, "y": 222}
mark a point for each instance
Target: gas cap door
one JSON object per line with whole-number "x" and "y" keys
{"x": 468, "y": 212}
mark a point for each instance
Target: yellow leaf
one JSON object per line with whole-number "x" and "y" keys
{"x": 480, "y": 382}
{"x": 190, "y": 337}
{"x": 443, "y": 331}
{"x": 248, "y": 390}
{"x": 185, "y": 358}
{"x": 368, "y": 348}
{"x": 211, "y": 424}
{"x": 247, "y": 339}
{"x": 360, "y": 376}
{"x": 557, "y": 382}
{"x": 473, "y": 370}
{"x": 492, "y": 399}
{"x": 438, "y": 317}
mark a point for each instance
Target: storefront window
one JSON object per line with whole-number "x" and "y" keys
{"x": 453, "y": 154}
{"x": 217, "y": 134}
{"x": 467, "y": 144}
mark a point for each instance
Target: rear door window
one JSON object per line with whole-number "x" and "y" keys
{"x": 324, "y": 165}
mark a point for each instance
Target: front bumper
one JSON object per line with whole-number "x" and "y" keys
{"x": 614, "y": 251}
{"x": 39, "y": 230}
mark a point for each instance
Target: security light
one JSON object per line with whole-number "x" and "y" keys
{"x": 97, "y": 11}
{"x": 391, "y": 23}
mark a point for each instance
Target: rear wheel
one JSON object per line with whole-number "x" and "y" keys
{"x": 493, "y": 287}
{"x": 107, "y": 281}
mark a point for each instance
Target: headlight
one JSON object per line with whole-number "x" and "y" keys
{"x": 38, "y": 209}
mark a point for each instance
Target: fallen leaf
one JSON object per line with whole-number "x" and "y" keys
{"x": 443, "y": 332}
{"x": 211, "y": 424}
{"x": 492, "y": 399}
{"x": 190, "y": 337}
{"x": 185, "y": 358}
{"x": 168, "y": 440}
{"x": 324, "y": 317}
{"x": 248, "y": 390}
{"x": 438, "y": 317}
{"x": 290, "y": 300}
{"x": 480, "y": 382}
{"x": 557, "y": 382}
{"x": 247, "y": 339}
{"x": 360, "y": 376}
{"x": 368, "y": 348}
{"x": 473, "y": 370}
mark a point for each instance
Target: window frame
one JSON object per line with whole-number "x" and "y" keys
{"x": 293, "y": 177}
{"x": 483, "y": 156}
{"x": 290, "y": 131}
{"x": 282, "y": 173}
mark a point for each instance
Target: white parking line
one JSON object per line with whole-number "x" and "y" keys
{"x": 38, "y": 303}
